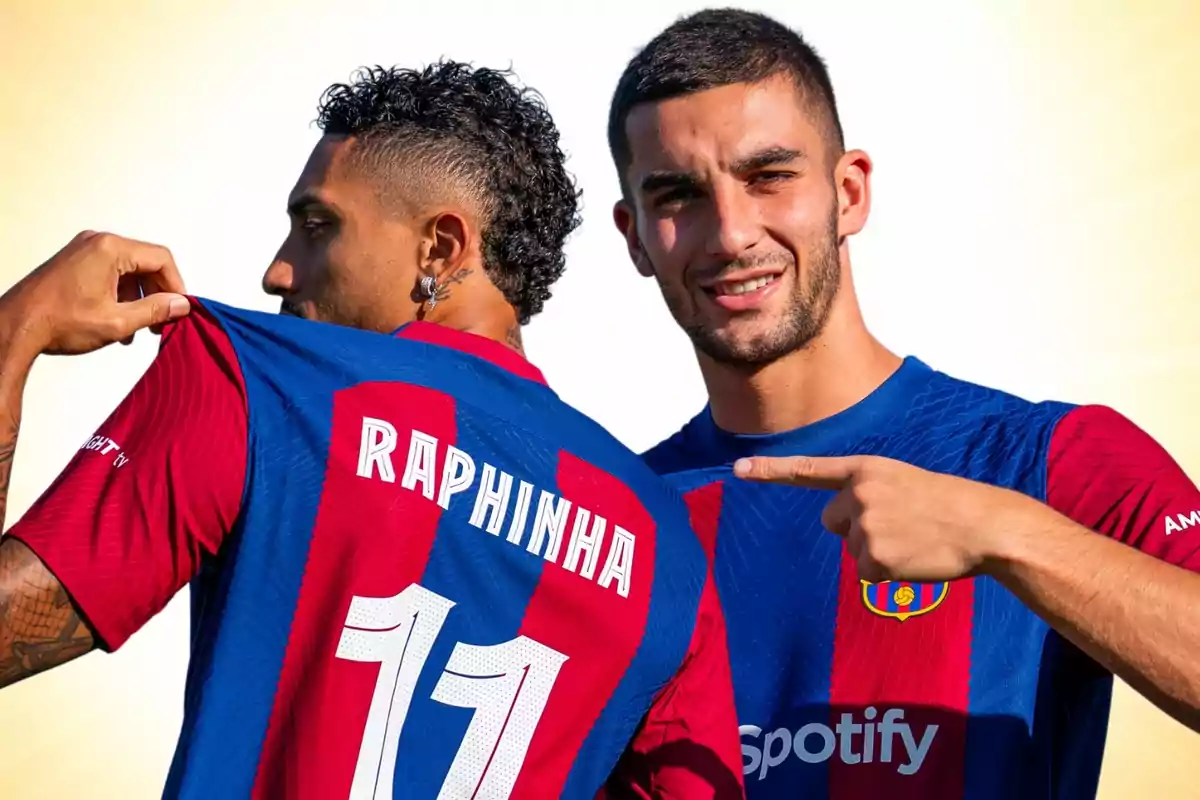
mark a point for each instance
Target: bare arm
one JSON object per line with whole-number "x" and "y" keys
{"x": 39, "y": 627}
{"x": 14, "y": 371}
{"x": 1132, "y": 613}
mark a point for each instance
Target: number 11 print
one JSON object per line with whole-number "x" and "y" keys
{"x": 508, "y": 685}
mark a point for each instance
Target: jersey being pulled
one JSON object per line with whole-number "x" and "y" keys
{"x": 416, "y": 572}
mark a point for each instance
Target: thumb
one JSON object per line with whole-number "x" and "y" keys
{"x": 153, "y": 310}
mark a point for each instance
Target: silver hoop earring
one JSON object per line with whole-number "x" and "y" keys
{"x": 429, "y": 289}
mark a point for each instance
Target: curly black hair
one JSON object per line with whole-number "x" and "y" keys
{"x": 478, "y": 128}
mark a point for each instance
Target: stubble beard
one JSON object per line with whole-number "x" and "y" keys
{"x": 801, "y": 322}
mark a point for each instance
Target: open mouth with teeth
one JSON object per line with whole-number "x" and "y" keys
{"x": 743, "y": 295}
{"x": 744, "y": 287}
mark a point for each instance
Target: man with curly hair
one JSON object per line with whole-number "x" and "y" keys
{"x": 416, "y": 572}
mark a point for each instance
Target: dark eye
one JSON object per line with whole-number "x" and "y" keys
{"x": 314, "y": 226}
{"x": 676, "y": 197}
{"x": 772, "y": 176}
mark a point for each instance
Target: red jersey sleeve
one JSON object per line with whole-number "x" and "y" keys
{"x": 154, "y": 491}
{"x": 688, "y": 746}
{"x": 1107, "y": 474}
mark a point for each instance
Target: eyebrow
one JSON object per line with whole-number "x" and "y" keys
{"x": 770, "y": 157}
{"x": 665, "y": 179}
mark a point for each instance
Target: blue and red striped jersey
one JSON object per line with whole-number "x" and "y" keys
{"x": 415, "y": 571}
{"x": 849, "y": 690}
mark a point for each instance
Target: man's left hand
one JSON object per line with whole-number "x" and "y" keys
{"x": 902, "y": 522}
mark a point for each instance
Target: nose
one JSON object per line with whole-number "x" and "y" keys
{"x": 736, "y": 227}
{"x": 280, "y": 278}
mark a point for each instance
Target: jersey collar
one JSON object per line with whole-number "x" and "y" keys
{"x": 472, "y": 344}
{"x": 885, "y": 406}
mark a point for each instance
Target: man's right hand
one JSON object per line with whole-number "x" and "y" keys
{"x": 99, "y": 289}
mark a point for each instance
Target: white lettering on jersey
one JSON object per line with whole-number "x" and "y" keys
{"x": 106, "y": 447}
{"x": 422, "y": 455}
{"x": 548, "y": 524}
{"x": 458, "y": 473}
{"x": 378, "y": 442}
{"x": 1182, "y": 521}
{"x": 849, "y": 741}
{"x": 578, "y": 551}
{"x": 619, "y": 562}
{"x": 583, "y": 543}
{"x": 524, "y": 497}
{"x": 492, "y": 500}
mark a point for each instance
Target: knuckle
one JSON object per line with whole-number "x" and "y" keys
{"x": 160, "y": 313}
{"x": 107, "y": 243}
{"x": 802, "y": 466}
{"x": 865, "y": 503}
{"x": 879, "y": 551}
{"x": 875, "y": 472}
{"x": 868, "y": 492}
{"x": 114, "y": 328}
{"x": 868, "y": 519}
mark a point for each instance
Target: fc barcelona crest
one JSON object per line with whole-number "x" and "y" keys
{"x": 901, "y": 600}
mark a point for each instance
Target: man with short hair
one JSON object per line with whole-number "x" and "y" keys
{"x": 961, "y": 640}
{"x": 416, "y": 572}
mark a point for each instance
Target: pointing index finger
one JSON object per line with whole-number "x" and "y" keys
{"x": 804, "y": 471}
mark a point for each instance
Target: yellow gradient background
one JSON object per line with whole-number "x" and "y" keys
{"x": 1035, "y": 227}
